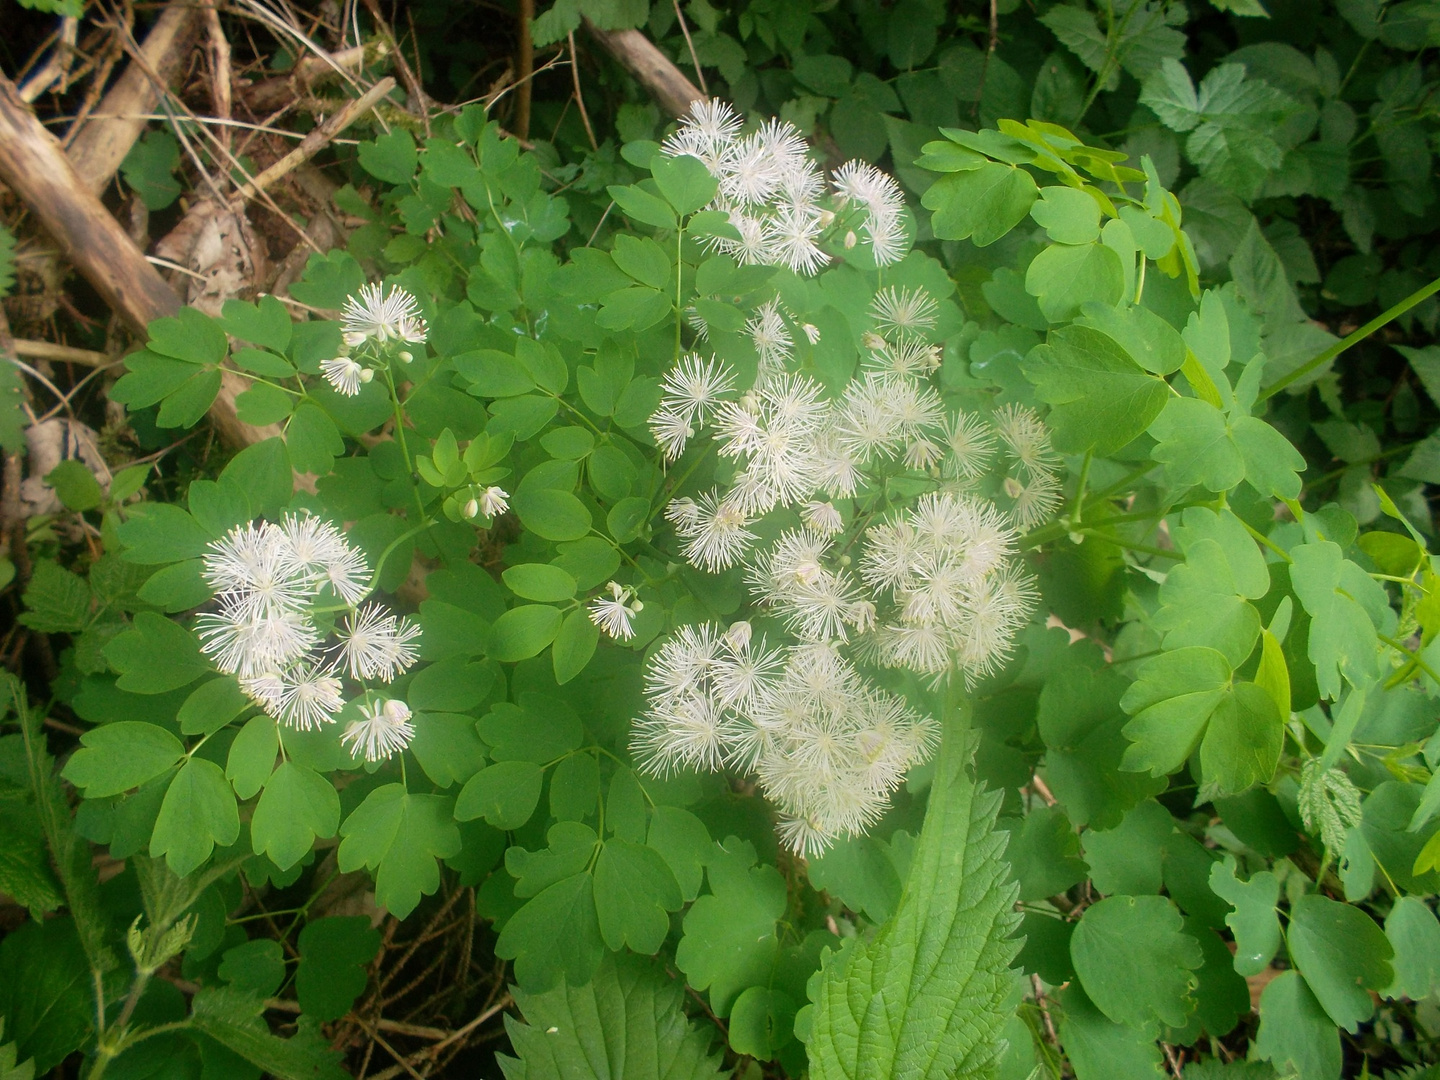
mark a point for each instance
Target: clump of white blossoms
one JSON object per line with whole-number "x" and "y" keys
{"x": 777, "y": 199}
{"x": 273, "y": 585}
{"x": 370, "y": 323}
{"x": 893, "y": 522}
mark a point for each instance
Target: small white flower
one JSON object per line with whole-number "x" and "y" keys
{"x": 375, "y": 644}
{"x": 614, "y": 613}
{"x": 971, "y": 446}
{"x": 812, "y": 333}
{"x": 1035, "y": 502}
{"x": 249, "y": 643}
{"x": 382, "y": 316}
{"x": 384, "y": 730}
{"x": 344, "y": 374}
{"x": 822, "y": 517}
{"x": 770, "y": 336}
{"x": 494, "y": 501}
{"x": 705, "y": 133}
{"x": 904, "y": 311}
{"x": 1026, "y": 437}
{"x": 793, "y": 233}
{"x": 719, "y": 535}
{"x": 310, "y": 697}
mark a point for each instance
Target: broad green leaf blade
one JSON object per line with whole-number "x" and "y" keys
{"x": 625, "y": 1024}
{"x": 1253, "y": 922}
{"x": 1295, "y": 1034}
{"x": 117, "y": 757}
{"x": 333, "y": 954}
{"x": 924, "y": 997}
{"x": 198, "y": 814}
{"x": 1135, "y": 960}
{"x": 1342, "y": 954}
{"x": 399, "y": 836}
{"x": 298, "y": 805}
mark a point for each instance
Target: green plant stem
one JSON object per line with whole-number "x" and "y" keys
{"x": 1387, "y": 316}
{"x": 1079, "y": 505}
{"x": 400, "y": 437}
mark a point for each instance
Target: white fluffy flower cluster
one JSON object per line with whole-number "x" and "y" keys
{"x": 896, "y": 525}
{"x": 776, "y": 197}
{"x": 827, "y": 746}
{"x": 378, "y": 317}
{"x": 268, "y": 579}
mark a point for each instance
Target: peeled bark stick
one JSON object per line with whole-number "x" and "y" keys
{"x": 66, "y": 354}
{"x": 102, "y": 143}
{"x": 314, "y": 142}
{"x": 34, "y": 166}
{"x": 666, "y": 82}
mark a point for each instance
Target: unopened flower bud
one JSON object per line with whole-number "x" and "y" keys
{"x": 367, "y": 374}
{"x": 406, "y": 356}
{"x": 850, "y": 239}
{"x": 472, "y": 508}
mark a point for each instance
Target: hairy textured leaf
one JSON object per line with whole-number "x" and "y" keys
{"x": 923, "y": 997}
{"x": 625, "y": 1024}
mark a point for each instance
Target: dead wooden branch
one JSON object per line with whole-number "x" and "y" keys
{"x": 269, "y": 95}
{"x": 102, "y": 144}
{"x": 666, "y": 82}
{"x": 34, "y": 166}
{"x": 65, "y": 354}
{"x": 314, "y": 142}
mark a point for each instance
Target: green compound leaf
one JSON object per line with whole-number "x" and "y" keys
{"x": 982, "y": 204}
{"x": 1100, "y": 397}
{"x": 684, "y": 181}
{"x": 625, "y": 1024}
{"x": 1135, "y": 960}
{"x": 730, "y": 941}
{"x": 634, "y": 891}
{"x": 257, "y": 966}
{"x": 198, "y": 814}
{"x": 333, "y": 955}
{"x": 298, "y": 805}
{"x": 1099, "y": 1048}
{"x": 523, "y": 631}
{"x": 504, "y": 794}
{"x": 1346, "y": 607}
{"x": 121, "y": 755}
{"x": 554, "y": 936}
{"x": 1414, "y": 933}
{"x": 1254, "y": 921}
{"x": 924, "y": 997}
{"x": 1342, "y": 954}
{"x": 1295, "y": 1034}
{"x": 399, "y": 836}
{"x": 1064, "y": 278}
{"x": 156, "y": 655}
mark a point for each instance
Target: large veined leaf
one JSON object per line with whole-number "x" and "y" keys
{"x": 625, "y": 1024}
{"x": 925, "y": 997}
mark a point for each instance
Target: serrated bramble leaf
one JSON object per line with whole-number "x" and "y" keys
{"x": 257, "y": 966}
{"x": 569, "y": 1031}
{"x": 232, "y": 1017}
{"x": 400, "y": 837}
{"x": 1135, "y": 960}
{"x": 924, "y": 997}
{"x": 56, "y": 600}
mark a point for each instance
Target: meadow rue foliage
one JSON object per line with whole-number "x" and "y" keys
{"x": 371, "y": 321}
{"x": 273, "y": 583}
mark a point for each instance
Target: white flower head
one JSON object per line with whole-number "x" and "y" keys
{"x": 384, "y": 730}
{"x": 494, "y": 501}
{"x": 375, "y": 314}
{"x": 770, "y": 336}
{"x": 1026, "y": 438}
{"x": 375, "y": 644}
{"x": 344, "y": 374}
{"x": 908, "y": 312}
{"x": 310, "y": 696}
{"x": 613, "y": 614}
